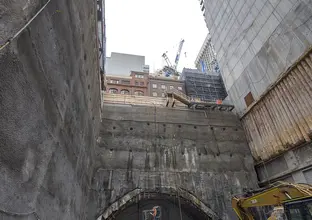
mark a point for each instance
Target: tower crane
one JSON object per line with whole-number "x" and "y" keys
{"x": 172, "y": 69}
{"x": 166, "y": 58}
{"x": 177, "y": 59}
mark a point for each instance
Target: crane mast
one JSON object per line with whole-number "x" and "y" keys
{"x": 177, "y": 59}
{"x": 166, "y": 58}
{"x": 172, "y": 69}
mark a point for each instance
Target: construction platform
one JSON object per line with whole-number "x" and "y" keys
{"x": 174, "y": 95}
{"x": 174, "y": 99}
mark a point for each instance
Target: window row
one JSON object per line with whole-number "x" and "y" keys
{"x": 125, "y": 92}
{"x": 115, "y": 81}
{"x": 127, "y": 82}
{"x": 165, "y": 87}
{"x": 139, "y": 83}
{"x": 139, "y": 76}
{"x": 155, "y": 94}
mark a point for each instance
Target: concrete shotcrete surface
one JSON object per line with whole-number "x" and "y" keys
{"x": 153, "y": 148}
{"x": 50, "y": 109}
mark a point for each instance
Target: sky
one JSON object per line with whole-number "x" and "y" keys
{"x": 152, "y": 27}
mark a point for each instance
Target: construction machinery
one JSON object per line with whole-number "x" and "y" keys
{"x": 170, "y": 69}
{"x": 295, "y": 200}
{"x": 178, "y": 55}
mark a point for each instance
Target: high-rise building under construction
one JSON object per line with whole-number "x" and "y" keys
{"x": 203, "y": 86}
{"x": 206, "y": 59}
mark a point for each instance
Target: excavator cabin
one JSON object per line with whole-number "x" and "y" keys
{"x": 299, "y": 209}
{"x": 296, "y": 200}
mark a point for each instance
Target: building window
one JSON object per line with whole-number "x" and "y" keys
{"x": 139, "y": 93}
{"x": 163, "y": 86}
{"x": 249, "y": 99}
{"x": 180, "y": 88}
{"x": 139, "y": 76}
{"x": 141, "y": 83}
{"x": 136, "y": 83}
{"x": 171, "y": 87}
{"x": 162, "y": 94}
{"x": 155, "y": 94}
{"x": 125, "y": 92}
{"x": 114, "y": 81}
{"x": 113, "y": 91}
{"x": 154, "y": 86}
{"x": 127, "y": 82}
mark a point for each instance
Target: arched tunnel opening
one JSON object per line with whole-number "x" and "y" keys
{"x": 169, "y": 207}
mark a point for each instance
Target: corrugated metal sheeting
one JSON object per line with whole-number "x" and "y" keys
{"x": 282, "y": 118}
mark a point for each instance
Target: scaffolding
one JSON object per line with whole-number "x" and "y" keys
{"x": 203, "y": 87}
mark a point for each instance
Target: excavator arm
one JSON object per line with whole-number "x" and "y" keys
{"x": 275, "y": 195}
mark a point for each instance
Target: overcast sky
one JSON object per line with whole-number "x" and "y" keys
{"x": 152, "y": 27}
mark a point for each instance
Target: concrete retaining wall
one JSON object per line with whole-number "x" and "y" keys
{"x": 145, "y": 147}
{"x": 293, "y": 166}
{"x": 50, "y": 109}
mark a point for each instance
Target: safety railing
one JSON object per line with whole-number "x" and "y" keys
{"x": 178, "y": 93}
{"x": 135, "y": 100}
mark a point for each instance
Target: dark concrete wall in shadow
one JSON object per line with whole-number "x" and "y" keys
{"x": 50, "y": 109}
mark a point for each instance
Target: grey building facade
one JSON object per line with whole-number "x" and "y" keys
{"x": 203, "y": 86}
{"x": 264, "y": 48}
{"x": 158, "y": 85}
{"x": 122, "y": 64}
{"x": 256, "y": 41}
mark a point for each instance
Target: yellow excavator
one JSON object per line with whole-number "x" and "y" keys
{"x": 294, "y": 200}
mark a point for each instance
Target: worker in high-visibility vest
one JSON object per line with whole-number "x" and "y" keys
{"x": 155, "y": 212}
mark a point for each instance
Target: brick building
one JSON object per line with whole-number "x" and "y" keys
{"x": 135, "y": 84}
{"x": 158, "y": 84}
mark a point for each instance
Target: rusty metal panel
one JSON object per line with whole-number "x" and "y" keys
{"x": 282, "y": 117}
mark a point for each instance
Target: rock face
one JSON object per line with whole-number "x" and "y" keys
{"x": 50, "y": 109}
{"x": 152, "y": 149}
